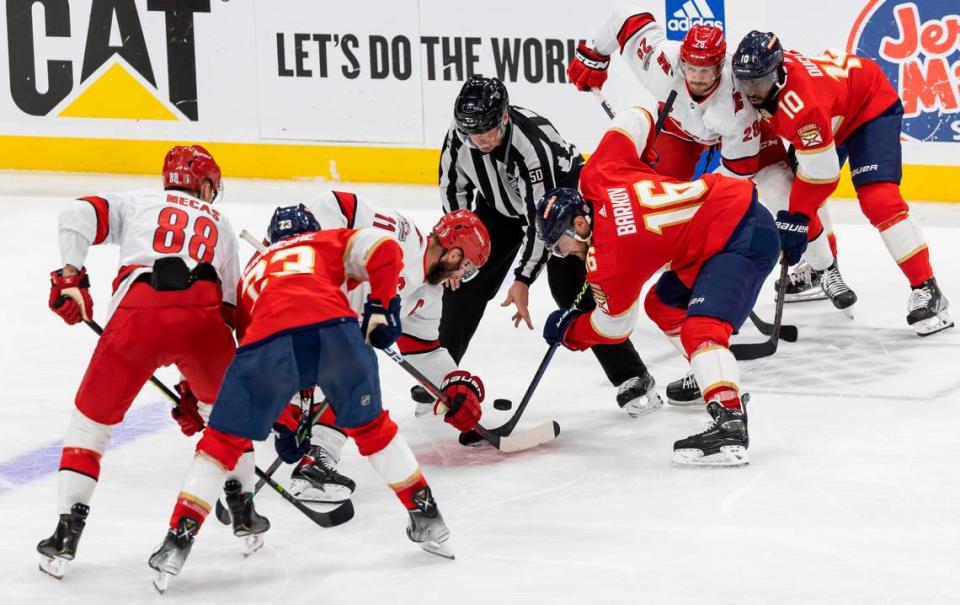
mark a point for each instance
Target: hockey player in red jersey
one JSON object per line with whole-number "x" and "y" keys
{"x": 720, "y": 244}
{"x": 831, "y": 108}
{"x": 173, "y": 299}
{"x": 456, "y": 248}
{"x": 298, "y": 331}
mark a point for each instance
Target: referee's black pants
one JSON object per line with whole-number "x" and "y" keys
{"x": 463, "y": 308}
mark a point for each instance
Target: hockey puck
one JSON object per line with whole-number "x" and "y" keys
{"x": 502, "y": 404}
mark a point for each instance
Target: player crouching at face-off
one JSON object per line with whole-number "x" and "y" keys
{"x": 297, "y": 330}
{"x": 456, "y": 248}
{"x": 630, "y": 221}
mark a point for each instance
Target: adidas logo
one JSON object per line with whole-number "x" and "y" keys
{"x": 696, "y": 12}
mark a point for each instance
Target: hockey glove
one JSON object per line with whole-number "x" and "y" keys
{"x": 186, "y": 413}
{"x": 557, "y": 324}
{"x": 588, "y": 68}
{"x": 793, "y": 228}
{"x": 70, "y": 296}
{"x": 381, "y": 325}
{"x": 464, "y": 394}
{"x": 286, "y": 444}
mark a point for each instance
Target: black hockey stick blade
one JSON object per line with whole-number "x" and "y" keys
{"x": 788, "y": 332}
{"x": 331, "y": 518}
{"x": 746, "y": 352}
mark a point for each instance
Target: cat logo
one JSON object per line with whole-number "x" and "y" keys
{"x": 116, "y": 76}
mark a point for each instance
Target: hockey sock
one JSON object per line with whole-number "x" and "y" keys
{"x": 819, "y": 254}
{"x": 83, "y": 445}
{"x": 217, "y": 453}
{"x": 884, "y": 206}
{"x": 827, "y": 221}
{"x": 330, "y": 439}
{"x": 707, "y": 339}
{"x": 244, "y": 472}
{"x": 392, "y": 458}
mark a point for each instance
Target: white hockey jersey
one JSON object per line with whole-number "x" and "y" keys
{"x": 724, "y": 117}
{"x": 147, "y": 225}
{"x": 420, "y": 302}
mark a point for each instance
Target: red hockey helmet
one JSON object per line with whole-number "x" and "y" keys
{"x": 463, "y": 229}
{"x": 187, "y": 168}
{"x": 704, "y": 46}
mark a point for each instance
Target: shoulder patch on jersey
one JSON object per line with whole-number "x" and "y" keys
{"x": 810, "y": 135}
{"x": 603, "y": 211}
{"x": 600, "y": 297}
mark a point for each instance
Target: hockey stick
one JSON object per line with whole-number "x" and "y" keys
{"x": 223, "y": 515}
{"x": 538, "y": 435}
{"x": 788, "y": 332}
{"x": 765, "y": 349}
{"x": 332, "y": 518}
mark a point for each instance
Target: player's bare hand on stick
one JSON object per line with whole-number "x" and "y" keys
{"x": 519, "y": 295}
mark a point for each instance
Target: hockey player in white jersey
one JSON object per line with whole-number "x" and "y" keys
{"x": 708, "y": 110}
{"x": 173, "y": 302}
{"x": 426, "y": 265}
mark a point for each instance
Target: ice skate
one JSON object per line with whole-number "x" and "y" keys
{"x": 61, "y": 548}
{"x": 832, "y": 284}
{"x": 427, "y": 528}
{"x": 637, "y": 396}
{"x": 927, "y": 309}
{"x": 724, "y": 442}
{"x": 316, "y": 478}
{"x": 684, "y": 391}
{"x": 803, "y": 284}
{"x": 169, "y": 557}
{"x": 247, "y": 524}
{"x": 423, "y": 399}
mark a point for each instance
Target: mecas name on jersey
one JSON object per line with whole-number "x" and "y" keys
{"x": 622, "y": 212}
{"x": 193, "y": 203}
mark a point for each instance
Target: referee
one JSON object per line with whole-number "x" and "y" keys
{"x": 498, "y": 160}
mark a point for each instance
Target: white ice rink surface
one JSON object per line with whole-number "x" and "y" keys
{"x": 852, "y": 494}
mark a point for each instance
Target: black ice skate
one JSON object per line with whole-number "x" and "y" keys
{"x": 927, "y": 309}
{"x": 684, "y": 391}
{"x": 316, "y": 479}
{"x": 723, "y": 443}
{"x": 832, "y": 284}
{"x": 61, "y": 548}
{"x": 803, "y": 284}
{"x": 170, "y": 556}
{"x": 426, "y": 526}
{"x": 247, "y": 524}
{"x": 637, "y": 396}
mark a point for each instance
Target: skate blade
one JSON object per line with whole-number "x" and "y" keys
{"x": 251, "y": 544}
{"x": 729, "y": 455}
{"x": 803, "y": 297}
{"x": 328, "y": 494}
{"x": 53, "y": 566}
{"x": 641, "y": 406}
{"x": 161, "y": 581}
{"x": 441, "y": 549}
{"x": 848, "y": 311}
{"x": 933, "y": 325}
{"x": 680, "y": 404}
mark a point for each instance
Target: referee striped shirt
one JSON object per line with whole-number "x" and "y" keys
{"x": 510, "y": 181}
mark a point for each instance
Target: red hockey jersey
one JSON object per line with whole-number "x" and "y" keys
{"x": 303, "y": 280}
{"x": 824, "y": 99}
{"x": 643, "y": 221}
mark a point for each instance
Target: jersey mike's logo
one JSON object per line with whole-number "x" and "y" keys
{"x": 917, "y": 44}
{"x": 683, "y": 14}
{"x": 114, "y": 76}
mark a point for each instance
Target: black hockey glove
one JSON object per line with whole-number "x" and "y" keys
{"x": 793, "y": 227}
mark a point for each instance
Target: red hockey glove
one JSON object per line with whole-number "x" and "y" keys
{"x": 187, "y": 414}
{"x": 464, "y": 395}
{"x": 588, "y": 68}
{"x": 70, "y": 296}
